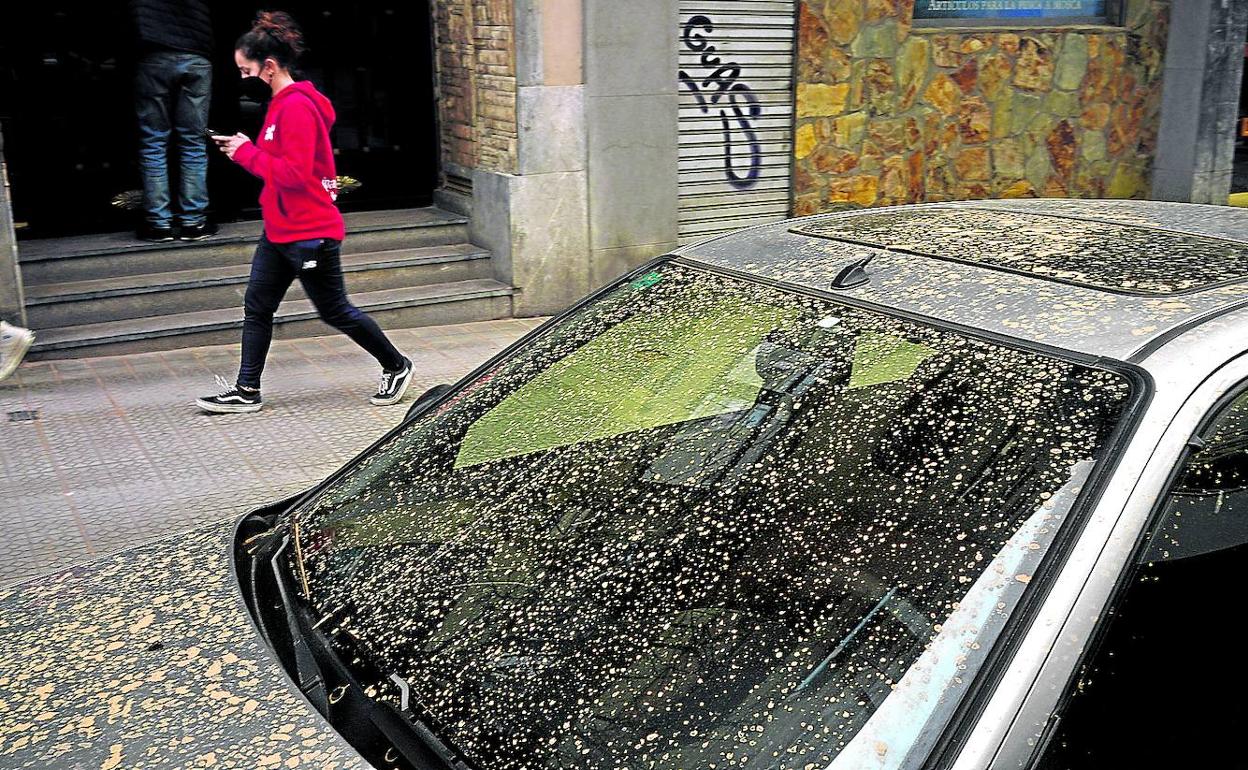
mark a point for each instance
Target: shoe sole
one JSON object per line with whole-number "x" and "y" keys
{"x": 396, "y": 398}
{"x": 227, "y": 408}
{"x": 197, "y": 237}
{"x": 22, "y": 347}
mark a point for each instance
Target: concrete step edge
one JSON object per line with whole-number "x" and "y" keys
{"x": 90, "y": 335}
{"x": 177, "y": 280}
{"x": 445, "y": 219}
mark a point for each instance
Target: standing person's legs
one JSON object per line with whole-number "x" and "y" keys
{"x": 321, "y": 276}
{"x": 151, "y": 102}
{"x": 190, "y": 121}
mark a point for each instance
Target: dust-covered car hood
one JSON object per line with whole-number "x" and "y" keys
{"x": 148, "y": 659}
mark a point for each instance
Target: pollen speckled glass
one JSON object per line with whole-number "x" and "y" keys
{"x": 705, "y": 523}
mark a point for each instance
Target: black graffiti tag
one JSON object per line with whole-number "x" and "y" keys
{"x": 736, "y": 102}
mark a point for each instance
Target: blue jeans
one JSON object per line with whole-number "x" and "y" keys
{"x": 172, "y": 92}
{"x": 318, "y": 266}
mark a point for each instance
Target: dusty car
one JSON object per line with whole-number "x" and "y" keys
{"x": 953, "y": 485}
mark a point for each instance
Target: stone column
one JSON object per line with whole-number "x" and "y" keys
{"x": 1200, "y": 101}
{"x": 536, "y": 220}
{"x": 12, "y": 301}
{"x": 631, "y": 104}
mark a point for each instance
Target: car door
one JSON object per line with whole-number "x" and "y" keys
{"x": 1157, "y": 675}
{"x": 1163, "y": 684}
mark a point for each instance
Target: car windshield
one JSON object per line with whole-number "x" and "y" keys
{"x": 703, "y": 522}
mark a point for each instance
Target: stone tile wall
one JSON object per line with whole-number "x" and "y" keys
{"x": 476, "y": 67}
{"x": 888, "y": 113}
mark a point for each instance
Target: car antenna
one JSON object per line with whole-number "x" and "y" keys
{"x": 853, "y": 274}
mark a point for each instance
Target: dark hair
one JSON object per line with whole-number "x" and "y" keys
{"x": 273, "y": 35}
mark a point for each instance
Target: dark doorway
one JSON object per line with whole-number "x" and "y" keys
{"x": 69, "y": 129}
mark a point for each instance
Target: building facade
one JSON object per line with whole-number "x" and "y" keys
{"x": 697, "y": 116}
{"x": 584, "y": 137}
{"x": 890, "y": 112}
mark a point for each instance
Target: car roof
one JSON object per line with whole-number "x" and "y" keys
{"x": 1111, "y": 278}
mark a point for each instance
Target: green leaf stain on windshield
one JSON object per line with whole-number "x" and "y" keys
{"x": 646, "y": 281}
{"x": 646, "y": 372}
{"x": 882, "y": 358}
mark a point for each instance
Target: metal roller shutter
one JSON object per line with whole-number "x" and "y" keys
{"x": 736, "y": 113}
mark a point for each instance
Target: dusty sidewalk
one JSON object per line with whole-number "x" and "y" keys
{"x": 99, "y": 454}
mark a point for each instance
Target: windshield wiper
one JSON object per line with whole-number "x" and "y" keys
{"x": 314, "y": 657}
{"x": 308, "y": 675}
{"x": 819, "y": 669}
{"x": 427, "y": 736}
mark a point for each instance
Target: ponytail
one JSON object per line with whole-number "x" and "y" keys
{"x": 274, "y": 35}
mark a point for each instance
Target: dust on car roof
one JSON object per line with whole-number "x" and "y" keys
{"x": 1165, "y": 299}
{"x": 1103, "y": 255}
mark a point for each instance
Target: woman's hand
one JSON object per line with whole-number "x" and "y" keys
{"x": 230, "y": 144}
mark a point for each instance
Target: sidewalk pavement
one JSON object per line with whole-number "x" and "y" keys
{"x": 99, "y": 454}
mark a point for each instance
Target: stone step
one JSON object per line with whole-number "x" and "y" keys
{"x": 54, "y": 305}
{"x": 443, "y": 303}
{"x": 84, "y": 258}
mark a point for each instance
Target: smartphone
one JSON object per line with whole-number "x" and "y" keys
{"x": 213, "y": 133}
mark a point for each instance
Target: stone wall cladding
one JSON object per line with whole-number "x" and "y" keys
{"x": 476, "y": 66}
{"x": 887, "y": 113}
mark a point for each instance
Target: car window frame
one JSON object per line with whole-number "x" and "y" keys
{"x": 982, "y": 686}
{"x": 1196, "y": 436}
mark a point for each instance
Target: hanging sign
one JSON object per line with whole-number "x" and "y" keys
{"x": 1009, "y": 9}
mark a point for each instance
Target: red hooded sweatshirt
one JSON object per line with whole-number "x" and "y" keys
{"x": 294, "y": 159}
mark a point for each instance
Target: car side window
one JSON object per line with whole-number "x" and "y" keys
{"x": 1163, "y": 687}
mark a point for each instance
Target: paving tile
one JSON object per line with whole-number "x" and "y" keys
{"x": 120, "y": 456}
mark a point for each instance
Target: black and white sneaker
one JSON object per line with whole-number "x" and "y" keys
{"x": 392, "y": 385}
{"x": 231, "y": 400}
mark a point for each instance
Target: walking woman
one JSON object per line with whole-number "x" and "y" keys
{"x": 303, "y": 229}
